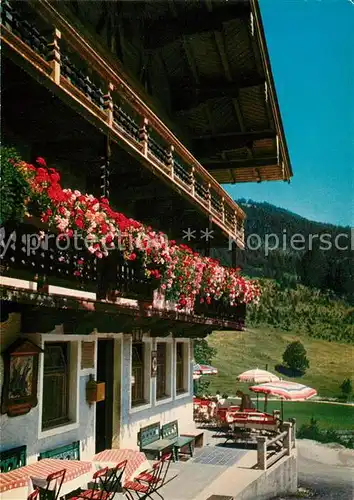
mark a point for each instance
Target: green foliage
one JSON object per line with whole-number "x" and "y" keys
{"x": 313, "y": 431}
{"x": 295, "y": 357}
{"x": 201, "y": 387}
{"x": 14, "y": 189}
{"x": 309, "y": 431}
{"x": 346, "y": 387}
{"x": 203, "y": 353}
{"x": 330, "y": 364}
{"x": 303, "y": 310}
{"x": 315, "y": 264}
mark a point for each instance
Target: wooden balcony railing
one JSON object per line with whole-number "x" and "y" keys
{"x": 68, "y": 264}
{"x": 48, "y": 264}
{"x": 218, "y": 309}
{"x": 75, "y": 71}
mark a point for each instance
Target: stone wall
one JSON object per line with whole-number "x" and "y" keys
{"x": 280, "y": 479}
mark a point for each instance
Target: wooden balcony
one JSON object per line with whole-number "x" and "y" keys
{"x": 49, "y": 272}
{"x": 72, "y": 70}
{"x": 65, "y": 266}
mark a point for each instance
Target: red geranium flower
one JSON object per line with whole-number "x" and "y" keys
{"x": 41, "y": 161}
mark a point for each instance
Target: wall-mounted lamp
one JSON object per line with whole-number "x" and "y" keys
{"x": 137, "y": 334}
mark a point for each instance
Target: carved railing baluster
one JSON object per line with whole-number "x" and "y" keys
{"x": 192, "y": 181}
{"x": 108, "y": 104}
{"x": 170, "y": 160}
{"x": 105, "y": 161}
{"x": 54, "y": 56}
{"x": 144, "y": 136}
{"x": 209, "y": 196}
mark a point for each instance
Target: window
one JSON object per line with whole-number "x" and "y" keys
{"x": 138, "y": 373}
{"x": 161, "y": 371}
{"x": 55, "y": 385}
{"x": 180, "y": 368}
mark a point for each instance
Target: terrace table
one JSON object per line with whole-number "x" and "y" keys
{"x": 18, "y": 484}
{"x": 137, "y": 461}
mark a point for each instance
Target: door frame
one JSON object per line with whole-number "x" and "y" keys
{"x": 105, "y": 373}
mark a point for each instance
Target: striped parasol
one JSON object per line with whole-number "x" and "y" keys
{"x": 285, "y": 390}
{"x": 292, "y": 391}
{"x": 257, "y": 376}
{"x": 199, "y": 369}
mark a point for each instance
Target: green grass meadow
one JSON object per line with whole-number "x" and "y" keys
{"x": 330, "y": 364}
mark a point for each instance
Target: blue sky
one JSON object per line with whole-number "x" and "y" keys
{"x": 311, "y": 46}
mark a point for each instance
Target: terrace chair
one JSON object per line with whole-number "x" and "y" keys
{"x": 148, "y": 482}
{"x": 105, "y": 483}
{"x": 54, "y": 482}
{"x": 114, "y": 482}
{"x": 34, "y": 495}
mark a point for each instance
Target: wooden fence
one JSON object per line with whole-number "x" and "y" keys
{"x": 271, "y": 450}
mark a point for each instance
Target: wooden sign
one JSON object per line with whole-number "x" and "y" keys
{"x": 19, "y": 393}
{"x": 153, "y": 363}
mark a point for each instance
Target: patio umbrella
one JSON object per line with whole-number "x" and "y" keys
{"x": 199, "y": 369}
{"x": 257, "y": 376}
{"x": 291, "y": 391}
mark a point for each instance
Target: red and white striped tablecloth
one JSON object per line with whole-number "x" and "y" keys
{"x": 19, "y": 477}
{"x": 137, "y": 461}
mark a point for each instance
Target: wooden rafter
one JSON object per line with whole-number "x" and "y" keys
{"x": 214, "y": 144}
{"x": 190, "y": 59}
{"x": 246, "y": 136}
{"x": 166, "y": 30}
{"x": 220, "y": 43}
{"x": 187, "y": 95}
{"x": 210, "y": 118}
{"x": 237, "y": 164}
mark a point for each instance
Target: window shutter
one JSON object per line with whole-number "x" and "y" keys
{"x": 87, "y": 355}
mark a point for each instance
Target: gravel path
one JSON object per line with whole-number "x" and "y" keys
{"x": 326, "y": 470}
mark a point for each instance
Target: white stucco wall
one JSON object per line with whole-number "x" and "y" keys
{"x": 25, "y": 429}
{"x": 176, "y": 407}
{"x": 127, "y": 420}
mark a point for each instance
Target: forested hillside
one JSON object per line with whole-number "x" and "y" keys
{"x": 303, "y": 310}
{"x": 322, "y": 258}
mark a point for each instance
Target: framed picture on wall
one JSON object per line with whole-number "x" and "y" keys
{"x": 153, "y": 363}
{"x": 19, "y": 391}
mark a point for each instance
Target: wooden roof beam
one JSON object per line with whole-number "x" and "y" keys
{"x": 166, "y": 30}
{"x": 191, "y": 59}
{"x": 215, "y": 144}
{"x": 249, "y": 135}
{"x": 220, "y": 43}
{"x": 187, "y": 95}
{"x": 213, "y": 165}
